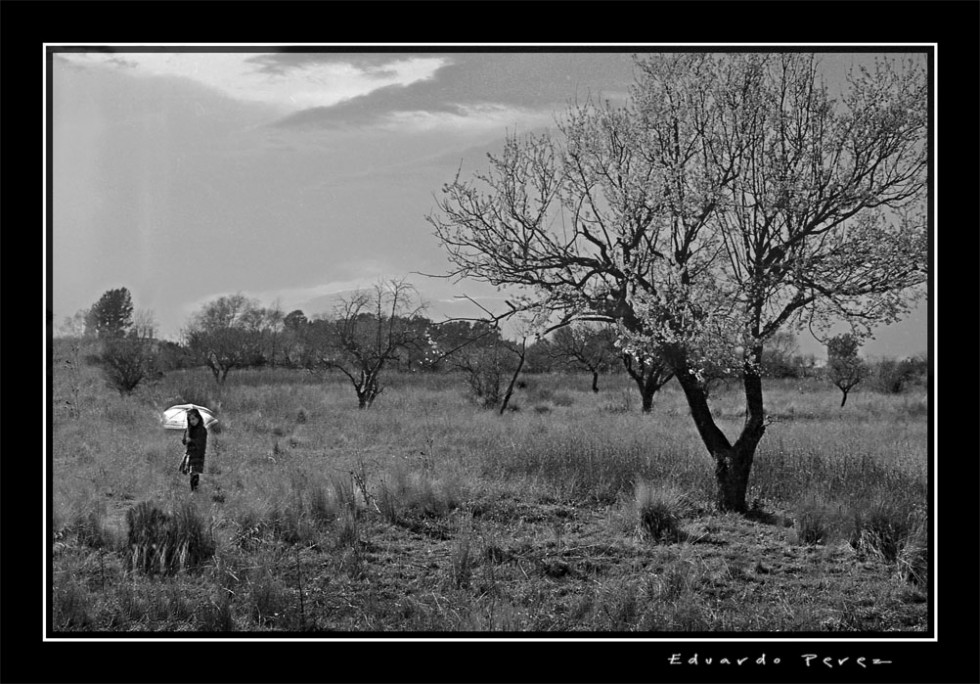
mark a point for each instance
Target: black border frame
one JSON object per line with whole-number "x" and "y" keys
{"x": 951, "y": 25}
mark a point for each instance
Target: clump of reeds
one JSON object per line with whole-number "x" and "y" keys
{"x": 895, "y": 535}
{"x": 166, "y": 543}
{"x": 406, "y": 494}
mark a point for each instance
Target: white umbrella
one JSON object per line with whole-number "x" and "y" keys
{"x": 175, "y": 417}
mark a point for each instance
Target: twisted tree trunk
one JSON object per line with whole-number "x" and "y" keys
{"x": 733, "y": 462}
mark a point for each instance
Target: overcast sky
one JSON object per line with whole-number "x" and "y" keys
{"x": 292, "y": 177}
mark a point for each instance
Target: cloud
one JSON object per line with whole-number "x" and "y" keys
{"x": 468, "y": 118}
{"x": 292, "y": 86}
{"x": 372, "y": 63}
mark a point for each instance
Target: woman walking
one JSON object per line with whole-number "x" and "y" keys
{"x": 196, "y": 441}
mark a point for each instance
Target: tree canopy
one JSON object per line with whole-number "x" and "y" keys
{"x": 112, "y": 316}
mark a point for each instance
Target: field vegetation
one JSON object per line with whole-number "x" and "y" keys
{"x": 574, "y": 511}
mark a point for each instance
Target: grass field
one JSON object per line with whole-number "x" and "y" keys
{"x": 425, "y": 513}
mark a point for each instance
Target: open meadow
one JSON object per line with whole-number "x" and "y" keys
{"x": 575, "y": 512}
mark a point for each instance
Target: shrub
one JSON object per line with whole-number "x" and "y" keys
{"x": 892, "y": 376}
{"x": 127, "y": 361}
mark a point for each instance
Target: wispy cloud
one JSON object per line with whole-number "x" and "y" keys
{"x": 467, "y": 118}
{"x": 291, "y": 86}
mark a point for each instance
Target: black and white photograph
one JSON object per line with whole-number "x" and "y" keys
{"x": 496, "y": 343}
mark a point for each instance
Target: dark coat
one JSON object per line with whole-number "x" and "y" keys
{"x": 197, "y": 443}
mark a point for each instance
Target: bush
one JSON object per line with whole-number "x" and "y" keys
{"x": 892, "y": 377}
{"x": 128, "y": 361}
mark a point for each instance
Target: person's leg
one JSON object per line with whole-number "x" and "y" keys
{"x": 195, "y": 478}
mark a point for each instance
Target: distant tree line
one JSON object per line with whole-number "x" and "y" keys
{"x": 386, "y": 329}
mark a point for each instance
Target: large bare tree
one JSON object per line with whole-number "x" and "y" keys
{"x": 733, "y": 196}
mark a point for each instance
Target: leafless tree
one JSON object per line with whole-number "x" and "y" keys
{"x": 366, "y": 332}
{"x": 588, "y": 346}
{"x": 130, "y": 358}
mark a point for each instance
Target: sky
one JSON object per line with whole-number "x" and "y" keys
{"x": 296, "y": 177}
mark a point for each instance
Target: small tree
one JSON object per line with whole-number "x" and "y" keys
{"x": 227, "y": 333}
{"x": 587, "y": 346}
{"x": 844, "y": 368}
{"x": 294, "y": 334}
{"x": 112, "y": 315}
{"x": 650, "y": 373}
{"x": 486, "y": 364}
{"x": 129, "y": 360}
{"x": 365, "y": 334}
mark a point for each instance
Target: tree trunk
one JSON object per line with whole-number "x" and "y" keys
{"x": 648, "y": 379}
{"x": 732, "y": 468}
{"x": 595, "y": 381}
{"x": 367, "y": 393}
{"x": 513, "y": 380}
{"x": 844, "y": 399}
{"x": 733, "y": 462}
{"x": 646, "y": 394}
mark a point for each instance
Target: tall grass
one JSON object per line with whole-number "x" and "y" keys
{"x": 166, "y": 543}
{"x": 278, "y": 493}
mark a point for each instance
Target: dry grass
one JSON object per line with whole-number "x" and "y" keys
{"x": 426, "y": 513}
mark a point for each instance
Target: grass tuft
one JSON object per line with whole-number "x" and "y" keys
{"x": 166, "y": 544}
{"x": 659, "y": 510}
{"x": 895, "y": 535}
